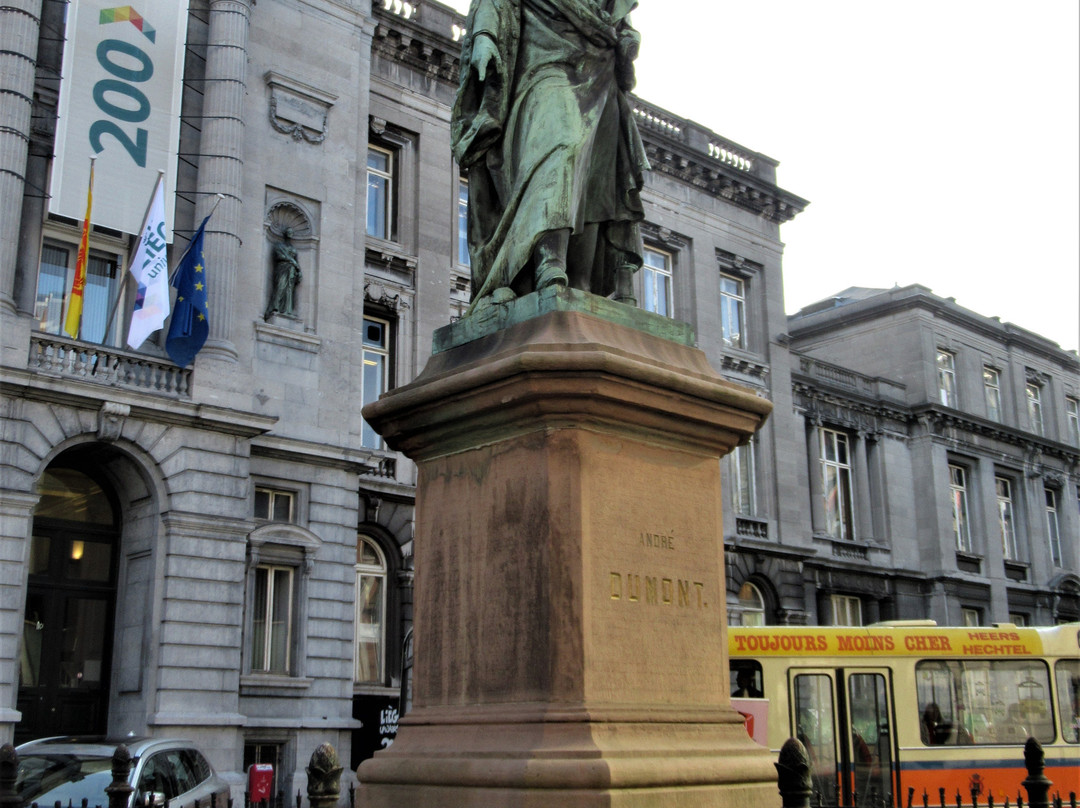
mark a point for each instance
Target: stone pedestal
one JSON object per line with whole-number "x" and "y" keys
{"x": 570, "y": 629}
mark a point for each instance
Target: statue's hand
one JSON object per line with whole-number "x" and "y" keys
{"x": 485, "y": 56}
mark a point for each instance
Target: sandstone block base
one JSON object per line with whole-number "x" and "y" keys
{"x": 570, "y": 629}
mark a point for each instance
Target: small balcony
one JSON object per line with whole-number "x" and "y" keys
{"x": 111, "y": 367}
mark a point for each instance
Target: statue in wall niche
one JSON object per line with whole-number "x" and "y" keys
{"x": 544, "y": 127}
{"x": 286, "y": 277}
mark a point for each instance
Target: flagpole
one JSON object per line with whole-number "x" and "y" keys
{"x": 126, "y": 270}
{"x": 211, "y": 213}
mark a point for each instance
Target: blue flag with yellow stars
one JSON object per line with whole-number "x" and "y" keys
{"x": 190, "y": 324}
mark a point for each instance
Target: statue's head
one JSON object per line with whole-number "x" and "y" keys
{"x": 288, "y": 233}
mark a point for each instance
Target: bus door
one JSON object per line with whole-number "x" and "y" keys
{"x": 844, "y": 719}
{"x": 868, "y": 738}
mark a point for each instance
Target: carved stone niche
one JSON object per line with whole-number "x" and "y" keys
{"x": 298, "y": 109}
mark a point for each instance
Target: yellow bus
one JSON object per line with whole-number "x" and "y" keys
{"x": 906, "y": 705}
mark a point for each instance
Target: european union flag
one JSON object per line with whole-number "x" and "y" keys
{"x": 190, "y": 318}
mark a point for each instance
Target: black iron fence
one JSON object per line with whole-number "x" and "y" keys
{"x": 796, "y": 787}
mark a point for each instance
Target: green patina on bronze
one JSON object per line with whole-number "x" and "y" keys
{"x": 503, "y": 315}
{"x": 544, "y": 127}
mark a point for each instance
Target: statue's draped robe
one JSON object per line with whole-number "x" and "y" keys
{"x": 549, "y": 140}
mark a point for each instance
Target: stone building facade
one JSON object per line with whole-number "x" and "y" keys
{"x": 232, "y": 545}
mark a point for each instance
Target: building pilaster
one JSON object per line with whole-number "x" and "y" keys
{"x": 20, "y": 22}
{"x": 817, "y": 491}
{"x": 863, "y": 511}
{"x": 221, "y": 162}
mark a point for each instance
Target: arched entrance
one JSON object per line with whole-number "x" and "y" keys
{"x": 70, "y": 602}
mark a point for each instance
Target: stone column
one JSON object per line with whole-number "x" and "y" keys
{"x": 864, "y": 524}
{"x": 221, "y": 163}
{"x": 817, "y": 490}
{"x": 20, "y": 22}
{"x": 571, "y": 636}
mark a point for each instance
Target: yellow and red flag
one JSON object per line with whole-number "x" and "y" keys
{"x": 78, "y": 283}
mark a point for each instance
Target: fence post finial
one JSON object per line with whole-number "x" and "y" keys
{"x": 1036, "y": 783}
{"x": 324, "y": 777}
{"x": 119, "y": 791}
{"x": 793, "y": 775}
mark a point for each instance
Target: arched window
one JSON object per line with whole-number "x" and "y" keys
{"x": 751, "y": 605}
{"x": 370, "y": 619}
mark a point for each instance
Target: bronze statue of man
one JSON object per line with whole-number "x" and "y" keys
{"x": 545, "y": 129}
{"x": 286, "y": 276}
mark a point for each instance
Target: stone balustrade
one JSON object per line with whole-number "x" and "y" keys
{"x": 104, "y": 365}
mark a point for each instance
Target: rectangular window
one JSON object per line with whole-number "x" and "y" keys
{"x": 1052, "y": 527}
{"x": 1067, "y": 673}
{"x": 958, "y": 495}
{"x": 1006, "y": 517}
{"x": 103, "y": 283}
{"x": 970, "y": 617}
{"x": 992, "y": 386}
{"x": 656, "y": 282}
{"x": 981, "y": 701}
{"x": 274, "y": 506}
{"x": 1034, "y": 402}
{"x": 376, "y": 360}
{"x": 733, "y": 311}
{"x": 846, "y": 610}
{"x": 741, "y": 468}
{"x": 463, "y": 223}
{"x": 836, "y": 483}
{"x": 1072, "y": 416}
{"x": 946, "y": 372}
{"x": 1018, "y": 619}
{"x": 271, "y": 622}
{"x": 815, "y": 726}
{"x": 380, "y": 195}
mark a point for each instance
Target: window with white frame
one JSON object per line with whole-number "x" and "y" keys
{"x": 733, "y": 311}
{"x": 946, "y": 372}
{"x": 370, "y": 619}
{"x": 741, "y": 478}
{"x": 380, "y": 192}
{"x": 846, "y": 610}
{"x": 280, "y": 557}
{"x": 656, "y": 282}
{"x": 1006, "y": 517}
{"x": 103, "y": 284}
{"x": 375, "y": 346}
{"x": 837, "y": 484}
{"x": 970, "y": 617}
{"x": 751, "y": 605}
{"x": 1034, "y": 402}
{"x": 958, "y": 496}
{"x": 992, "y": 389}
{"x": 463, "y": 222}
{"x": 1053, "y": 531}
{"x": 272, "y": 619}
{"x": 1072, "y": 417}
{"x": 1018, "y": 619}
{"x": 274, "y": 505}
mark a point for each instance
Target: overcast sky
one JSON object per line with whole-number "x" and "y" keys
{"x": 938, "y": 141}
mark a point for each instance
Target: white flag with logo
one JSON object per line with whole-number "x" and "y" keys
{"x": 150, "y": 267}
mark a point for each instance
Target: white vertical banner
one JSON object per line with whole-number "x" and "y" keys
{"x": 119, "y": 100}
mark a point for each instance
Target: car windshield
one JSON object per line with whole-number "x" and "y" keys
{"x": 63, "y": 778}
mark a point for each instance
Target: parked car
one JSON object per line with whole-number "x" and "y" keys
{"x": 69, "y": 770}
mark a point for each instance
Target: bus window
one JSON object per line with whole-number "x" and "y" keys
{"x": 983, "y": 702}
{"x": 937, "y": 703}
{"x": 871, "y": 746}
{"x": 748, "y": 683}
{"x": 815, "y": 722}
{"x": 1068, "y": 688}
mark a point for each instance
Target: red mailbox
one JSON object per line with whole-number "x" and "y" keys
{"x": 260, "y": 782}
